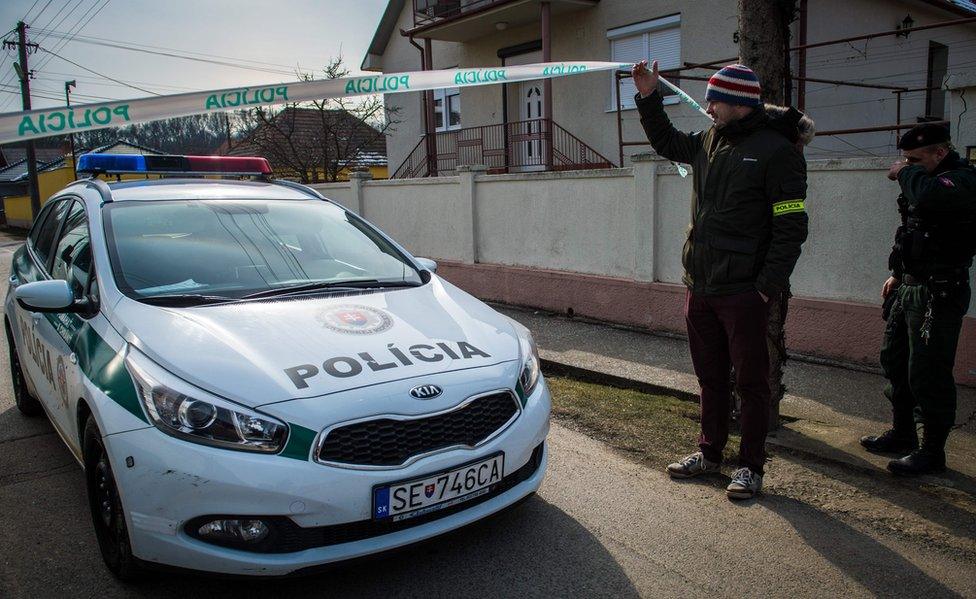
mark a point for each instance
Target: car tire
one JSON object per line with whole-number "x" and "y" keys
{"x": 26, "y": 403}
{"x": 108, "y": 516}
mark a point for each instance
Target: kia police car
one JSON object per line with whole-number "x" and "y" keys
{"x": 256, "y": 380}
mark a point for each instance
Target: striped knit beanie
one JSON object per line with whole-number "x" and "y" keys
{"x": 735, "y": 84}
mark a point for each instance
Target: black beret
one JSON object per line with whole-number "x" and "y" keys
{"x": 922, "y": 135}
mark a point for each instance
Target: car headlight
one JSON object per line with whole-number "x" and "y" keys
{"x": 178, "y": 409}
{"x": 529, "y": 353}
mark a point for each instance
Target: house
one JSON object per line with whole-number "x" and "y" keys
{"x": 312, "y": 145}
{"x": 11, "y": 154}
{"x": 52, "y": 176}
{"x": 573, "y": 122}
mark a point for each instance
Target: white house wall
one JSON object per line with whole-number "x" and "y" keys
{"x": 582, "y": 104}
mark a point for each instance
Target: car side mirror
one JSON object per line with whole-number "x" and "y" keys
{"x": 49, "y": 296}
{"x": 427, "y": 264}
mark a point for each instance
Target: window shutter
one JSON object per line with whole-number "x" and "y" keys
{"x": 665, "y": 47}
{"x": 627, "y": 49}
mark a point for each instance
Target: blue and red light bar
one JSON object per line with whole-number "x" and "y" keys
{"x": 117, "y": 164}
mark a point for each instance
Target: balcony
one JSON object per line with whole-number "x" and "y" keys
{"x": 519, "y": 146}
{"x": 464, "y": 20}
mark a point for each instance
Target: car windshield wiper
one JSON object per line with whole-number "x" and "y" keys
{"x": 185, "y": 299}
{"x": 331, "y": 286}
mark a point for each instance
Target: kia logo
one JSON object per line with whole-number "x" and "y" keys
{"x": 426, "y": 391}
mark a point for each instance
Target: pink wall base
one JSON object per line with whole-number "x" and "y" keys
{"x": 837, "y": 330}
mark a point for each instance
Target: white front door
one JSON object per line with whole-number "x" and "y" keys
{"x": 530, "y": 153}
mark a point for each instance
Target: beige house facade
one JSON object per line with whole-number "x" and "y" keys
{"x": 504, "y": 126}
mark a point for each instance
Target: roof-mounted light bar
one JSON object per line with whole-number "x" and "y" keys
{"x": 118, "y": 164}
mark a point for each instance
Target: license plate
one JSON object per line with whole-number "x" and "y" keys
{"x": 412, "y": 498}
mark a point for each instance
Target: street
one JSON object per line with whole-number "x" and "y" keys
{"x": 602, "y": 525}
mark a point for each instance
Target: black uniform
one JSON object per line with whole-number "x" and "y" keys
{"x": 933, "y": 251}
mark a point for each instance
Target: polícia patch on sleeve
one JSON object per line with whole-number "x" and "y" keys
{"x": 788, "y": 207}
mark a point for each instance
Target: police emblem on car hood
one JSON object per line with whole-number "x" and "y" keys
{"x": 426, "y": 391}
{"x": 354, "y": 319}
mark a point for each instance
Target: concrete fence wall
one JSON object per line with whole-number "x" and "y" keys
{"x": 517, "y": 238}
{"x": 628, "y": 223}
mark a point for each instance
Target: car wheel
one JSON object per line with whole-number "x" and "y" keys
{"x": 108, "y": 517}
{"x": 26, "y": 403}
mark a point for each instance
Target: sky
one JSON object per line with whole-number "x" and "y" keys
{"x": 265, "y": 41}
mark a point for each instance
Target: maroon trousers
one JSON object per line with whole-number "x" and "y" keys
{"x": 724, "y": 331}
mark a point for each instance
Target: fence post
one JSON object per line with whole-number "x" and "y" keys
{"x": 468, "y": 192}
{"x": 356, "y": 180}
{"x": 645, "y": 214}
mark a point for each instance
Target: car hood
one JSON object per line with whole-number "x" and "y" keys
{"x": 268, "y": 351}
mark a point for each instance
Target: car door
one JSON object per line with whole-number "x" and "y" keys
{"x": 70, "y": 261}
{"x": 37, "y": 358}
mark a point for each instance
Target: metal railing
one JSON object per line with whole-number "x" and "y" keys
{"x": 428, "y": 12}
{"x": 531, "y": 145}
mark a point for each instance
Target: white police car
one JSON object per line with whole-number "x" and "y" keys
{"x": 258, "y": 381}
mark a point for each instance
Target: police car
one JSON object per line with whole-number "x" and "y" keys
{"x": 256, "y": 380}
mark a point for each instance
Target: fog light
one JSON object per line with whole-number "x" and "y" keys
{"x": 240, "y": 531}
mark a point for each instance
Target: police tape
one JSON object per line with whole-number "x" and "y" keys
{"x": 48, "y": 122}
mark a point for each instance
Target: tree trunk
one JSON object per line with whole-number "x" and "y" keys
{"x": 764, "y": 41}
{"x": 764, "y": 36}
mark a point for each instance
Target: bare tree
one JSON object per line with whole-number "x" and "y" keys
{"x": 764, "y": 41}
{"x": 321, "y": 139}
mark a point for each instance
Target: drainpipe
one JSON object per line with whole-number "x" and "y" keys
{"x": 547, "y": 83}
{"x": 431, "y": 134}
{"x": 801, "y": 60}
{"x": 426, "y": 105}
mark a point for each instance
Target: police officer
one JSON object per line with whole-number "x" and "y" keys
{"x": 928, "y": 295}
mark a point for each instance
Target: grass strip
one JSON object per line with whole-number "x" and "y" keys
{"x": 655, "y": 428}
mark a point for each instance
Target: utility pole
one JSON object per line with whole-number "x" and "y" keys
{"x": 764, "y": 41}
{"x": 67, "y": 100}
{"x": 23, "y": 71}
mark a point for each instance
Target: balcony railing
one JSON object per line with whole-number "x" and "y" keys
{"x": 532, "y": 145}
{"x": 428, "y": 12}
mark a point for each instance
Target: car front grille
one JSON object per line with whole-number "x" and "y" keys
{"x": 391, "y": 442}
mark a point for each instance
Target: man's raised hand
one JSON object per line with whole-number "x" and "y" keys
{"x": 646, "y": 81}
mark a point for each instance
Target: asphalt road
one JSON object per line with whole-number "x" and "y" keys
{"x": 601, "y": 525}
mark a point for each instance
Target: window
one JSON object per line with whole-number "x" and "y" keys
{"x": 237, "y": 247}
{"x": 72, "y": 255}
{"x": 46, "y": 232}
{"x": 938, "y": 64}
{"x": 449, "y": 119}
{"x": 658, "y": 39}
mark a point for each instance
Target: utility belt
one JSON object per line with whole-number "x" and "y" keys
{"x": 941, "y": 285}
{"x": 943, "y": 277}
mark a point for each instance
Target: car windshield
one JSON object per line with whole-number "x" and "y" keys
{"x": 237, "y": 248}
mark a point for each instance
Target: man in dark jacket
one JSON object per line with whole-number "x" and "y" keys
{"x": 929, "y": 291}
{"x": 748, "y": 221}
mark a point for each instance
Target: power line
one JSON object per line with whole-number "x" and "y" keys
{"x": 136, "y": 87}
{"x": 190, "y": 58}
{"x": 7, "y": 78}
{"x": 90, "y": 39}
{"x": 98, "y": 82}
{"x": 38, "y": 15}
{"x": 29, "y": 10}
{"x": 76, "y": 28}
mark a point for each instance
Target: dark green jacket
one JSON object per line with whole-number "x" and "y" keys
{"x": 938, "y": 220}
{"x": 748, "y": 218}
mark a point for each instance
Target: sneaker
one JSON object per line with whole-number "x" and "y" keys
{"x": 692, "y": 465}
{"x": 745, "y": 484}
{"x": 890, "y": 442}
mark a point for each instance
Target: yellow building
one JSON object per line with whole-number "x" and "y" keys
{"x": 52, "y": 177}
